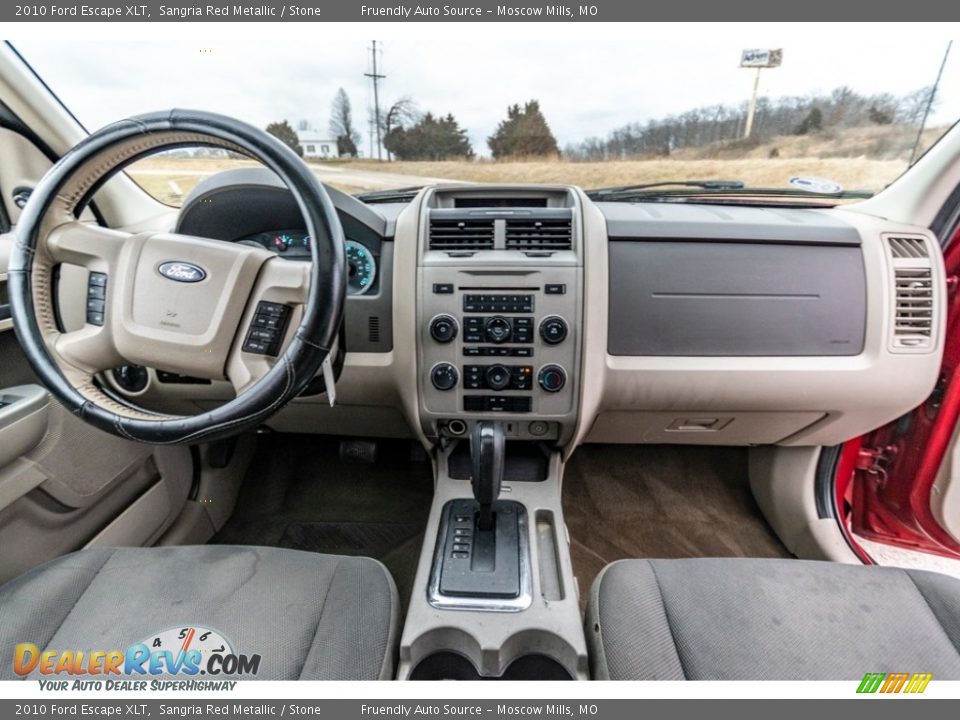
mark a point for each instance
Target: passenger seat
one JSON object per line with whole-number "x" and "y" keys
{"x": 745, "y": 619}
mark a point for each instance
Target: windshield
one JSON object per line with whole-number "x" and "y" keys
{"x": 757, "y": 107}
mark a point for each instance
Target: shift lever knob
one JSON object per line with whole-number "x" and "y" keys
{"x": 487, "y": 445}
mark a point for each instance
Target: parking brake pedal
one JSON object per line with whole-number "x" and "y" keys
{"x": 358, "y": 451}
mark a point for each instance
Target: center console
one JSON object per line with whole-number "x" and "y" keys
{"x": 499, "y": 312}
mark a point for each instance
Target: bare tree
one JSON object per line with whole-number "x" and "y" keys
{"x": 399, "y": 115}
{"x": 341, "y": 124}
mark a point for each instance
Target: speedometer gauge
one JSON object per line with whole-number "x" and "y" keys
{"x": 361, "y": 268}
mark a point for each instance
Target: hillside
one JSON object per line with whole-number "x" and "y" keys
{"x": 866, "y": 158}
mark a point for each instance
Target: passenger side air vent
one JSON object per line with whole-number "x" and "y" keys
{"x": 539, "y": 234}
{"x": 461, "y": 234}
{"x": 913, "y": 324}
{"x": 908, "y": 247}
{"x": 915, "y": 301}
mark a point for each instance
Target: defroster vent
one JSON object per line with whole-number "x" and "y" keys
{"x": 908, "y": 247}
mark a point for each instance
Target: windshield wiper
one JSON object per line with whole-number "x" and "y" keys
{"x": 598, "y": 193}
{"x": 691, "y": 190}
{"x": 404, "y": 194}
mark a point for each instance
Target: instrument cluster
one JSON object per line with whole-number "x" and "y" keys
{"x": 295, "y": 245}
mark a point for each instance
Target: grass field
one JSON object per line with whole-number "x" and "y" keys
{"x": 851, "y": 173}
{"x": 859, "y": 159}
{"x": 170, "y": 179}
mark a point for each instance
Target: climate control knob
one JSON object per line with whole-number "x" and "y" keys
{"x": 444, "y": 376}
{"x": 443, "y": 328}
{"x": 498, "y": 377}
{"x": 552, "y": 378}
{"x": 553, "y": 330}
{"x": 497, "y": 329}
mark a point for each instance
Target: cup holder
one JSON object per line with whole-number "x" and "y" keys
{"x": 454, "y": 666}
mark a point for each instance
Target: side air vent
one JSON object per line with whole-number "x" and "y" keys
{"x": 915, "y": 301}
{"x": 913, "y": 324}
{"x": 539, "y": 234}
{"x": 908, "y": 247}
{"x": 461, "y": 234}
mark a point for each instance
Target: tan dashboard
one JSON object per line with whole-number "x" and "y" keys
{"x": 575, "y": 321}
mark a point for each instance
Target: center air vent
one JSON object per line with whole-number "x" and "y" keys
{"x": 463, "y": 234}
{"x": 539, "y": 234}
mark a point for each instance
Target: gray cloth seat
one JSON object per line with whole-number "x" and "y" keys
{"x": 309, "y": 616}
{"x": 745, "y": 619}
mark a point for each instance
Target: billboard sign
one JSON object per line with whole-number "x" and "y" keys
{"x": 761, "y": 58}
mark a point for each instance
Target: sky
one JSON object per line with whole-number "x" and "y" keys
{"x": 589, "y": 78}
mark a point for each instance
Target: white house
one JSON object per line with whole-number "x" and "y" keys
{"x": 314, "y": 143}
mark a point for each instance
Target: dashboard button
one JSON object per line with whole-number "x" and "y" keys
{"x": 553, "y": 330}
{"x": 498, "y": 329}
{"x": 444, "y": 376}
{"x": 497, "y": 377}
{"x": 552, "y": 378}
{"x": 443, "y": 328}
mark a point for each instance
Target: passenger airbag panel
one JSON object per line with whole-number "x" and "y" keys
{"x": 680, "y": 298}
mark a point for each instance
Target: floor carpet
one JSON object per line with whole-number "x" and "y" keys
{"x": 660, "y": 501}
{"x": 299, "y": 494}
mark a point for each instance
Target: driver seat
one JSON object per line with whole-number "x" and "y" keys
{"x": 309, "y": 616}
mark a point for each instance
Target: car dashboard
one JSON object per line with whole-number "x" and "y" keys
{"x": 578, "y": 321}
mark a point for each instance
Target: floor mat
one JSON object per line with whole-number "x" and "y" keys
{"x": 659, "y": 501}
{"x": 370, "y": 539}
{"x": 299, "y": 494}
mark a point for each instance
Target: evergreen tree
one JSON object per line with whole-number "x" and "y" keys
{"x": 285, "y": 133}
{"x": 431, "y": 138}
{"x": 524, "y": 133}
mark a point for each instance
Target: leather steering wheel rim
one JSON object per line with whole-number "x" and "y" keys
{"x": 96, "y": 159}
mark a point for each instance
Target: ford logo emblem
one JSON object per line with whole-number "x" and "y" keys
{"x": 182, "y": 271}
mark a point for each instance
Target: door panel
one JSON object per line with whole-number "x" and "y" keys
{"x": 72, "y": 484}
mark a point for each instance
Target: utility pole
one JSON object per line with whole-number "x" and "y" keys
{"x": 752, "y": 108}
{"x": 926, "y": 110}
{"x": 370, "y": 134}
{"x": 376, "y": 95}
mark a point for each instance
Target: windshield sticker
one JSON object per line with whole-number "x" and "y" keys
{"x": 815, "y": 184}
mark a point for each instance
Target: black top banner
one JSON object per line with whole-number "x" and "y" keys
{"x": 855, "y": 11}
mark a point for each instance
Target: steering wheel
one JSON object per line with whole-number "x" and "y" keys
{"x": 183, "y": 304}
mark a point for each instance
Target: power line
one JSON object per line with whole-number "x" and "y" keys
{"x": 376, "y": 95}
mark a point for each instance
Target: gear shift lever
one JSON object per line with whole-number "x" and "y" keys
{"x": 482, "y": 556}
{"x": 487, "y": 444}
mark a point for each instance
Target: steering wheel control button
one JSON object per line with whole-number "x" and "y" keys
{"x": 444, "y": 376}
{"x": 552, "y": 378}
{"x": 443, "y": 328}
{"x": 553, "y": 330}
{"x": 498, "y": 377}
{"x": 497, "y": 329}
{"x": 96, "y": 298}
{"x": 267, "y": 329}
